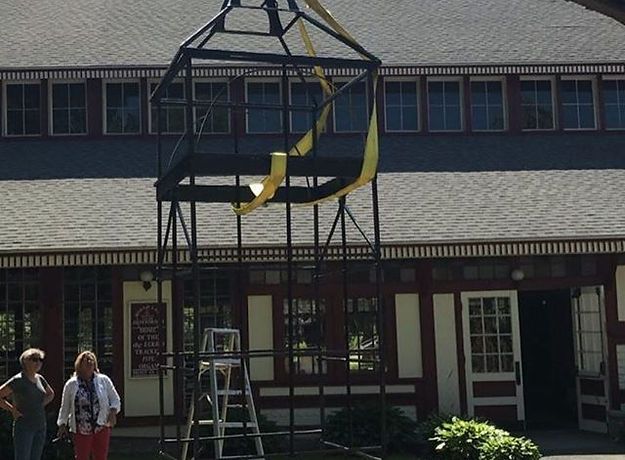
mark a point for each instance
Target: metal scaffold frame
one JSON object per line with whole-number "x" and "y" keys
{"x": 178, "y": 183}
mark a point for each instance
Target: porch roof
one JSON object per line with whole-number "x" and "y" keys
{"x": 483, "y": 192}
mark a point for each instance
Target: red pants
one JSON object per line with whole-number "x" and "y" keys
{"x": 96, "y": 444}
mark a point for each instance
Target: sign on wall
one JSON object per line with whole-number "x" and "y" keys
{"x": 144, "y": 349}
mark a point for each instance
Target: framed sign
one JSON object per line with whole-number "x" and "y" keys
{"x": 144, "y": 347}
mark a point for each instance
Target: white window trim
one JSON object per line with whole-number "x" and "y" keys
{"x": 5, "y": 108}
{"x": 150, "y": 82}
{"x": 504, "y": 99}
{"x": 593, "y": 81}
{"x": 104, "y": 126}
{"x": 416, "y": 81}
{"x": 555, "y": 117}
{"x": 213, "y": 80}
{"x": 335, "y": 82}
{"x": 247, "y": 116}
{"x": 51, "y": 132}
{"x": 610, "y": 78}
{"x": 460, "y": 81}
{"x": 298, "y": 80}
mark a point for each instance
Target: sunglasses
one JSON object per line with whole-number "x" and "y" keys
{"x": 36, "y": 359}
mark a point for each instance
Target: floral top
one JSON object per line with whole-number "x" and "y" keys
{"x": 87, "y": 408}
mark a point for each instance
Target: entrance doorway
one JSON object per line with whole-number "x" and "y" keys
{"x": 549, "y": 370}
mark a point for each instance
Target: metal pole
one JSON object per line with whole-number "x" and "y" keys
{"x": 159, "y": 282}
{"x": 344, "y": 271}
{"x": 289, "y": 266}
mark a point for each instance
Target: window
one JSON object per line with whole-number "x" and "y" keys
{"x": 23, "y": 109}
{"x": 578, "y": 105}
{"x": 401, "y": 105}
{"x": 172, "y": 117}
{"x": 363, "y": 334}
{"x": 487, "y": 106}
{"x": 88, "y": 316}
{"x": 490, "y": 328}
{"x": 212, "y": 119}
{"x": 614, "y": 103}
{"x": 445, "y": 105}
{"x": 351, "y": 111}
{"x": 308, "y": 334}
{"x": 215, "y": 304}
{"x": 20, "y": 319}
{"x": 588, "y": 324}
{"x": 537, "y": 105}
{"x": 69, "y": 108}
{"x": 264, "y": 120}
{"x": 305, "y": 94}
{"x": 122, "y": 108}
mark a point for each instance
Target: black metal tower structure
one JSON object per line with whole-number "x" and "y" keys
{"x": 184, "y": 181}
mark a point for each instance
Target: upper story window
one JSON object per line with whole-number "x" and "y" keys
{"x": 122, "y": 108}
{"x": 445, "y": 105}
{"x": 537, "y": 104}
{"x": 351, "y": 110}
{"x": 172, "y": 118}
{"x": 487, "y": 105}
{"x": 212, "y": 119}
{"x": 264, "y": 120}
{"x": 401, "y": 98}
{"x": 304, "y": 94}
{"x": 578, "y": 103}
{"x": 614, "y": 103}
{"x": 23, "y": 109}
{"x": 69, "y": 108}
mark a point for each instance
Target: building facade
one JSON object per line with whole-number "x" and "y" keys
{"x": 503, "y": 225}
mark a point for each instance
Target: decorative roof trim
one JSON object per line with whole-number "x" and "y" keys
{"x": 305, "y": 254}
{"x": 397, "y": 70}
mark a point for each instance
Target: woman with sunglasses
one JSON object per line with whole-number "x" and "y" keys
{"x": 89, "y": 408}
{"x": 29, "y": 394}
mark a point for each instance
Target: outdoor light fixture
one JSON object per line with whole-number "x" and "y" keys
{"x": 147, "y": 277}
{"x": 517, "y": 275}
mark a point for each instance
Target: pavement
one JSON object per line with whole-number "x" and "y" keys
{"x": 576, "y": 445}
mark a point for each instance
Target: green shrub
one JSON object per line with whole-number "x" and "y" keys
{"x": 507, "y": 447}
{"x": 476, "y": 440}
{"x": 401, "y": 429}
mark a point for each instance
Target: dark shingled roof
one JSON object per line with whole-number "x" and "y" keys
{"x": 129, "y": 33}
{"x": 99, "y": 194}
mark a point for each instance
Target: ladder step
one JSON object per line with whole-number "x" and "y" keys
{"x": 222, "y": 363}
{"x": 230, "y": 393}
{"x": 226, "y": 424}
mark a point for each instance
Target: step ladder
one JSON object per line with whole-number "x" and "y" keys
{"x": 228, "y": 341}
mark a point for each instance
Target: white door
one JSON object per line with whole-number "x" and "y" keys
{"x": 590, "y": 358}
{"x": 492, "y": 348}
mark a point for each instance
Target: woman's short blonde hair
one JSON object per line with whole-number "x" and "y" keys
{"x": 86, "y": 355}
{"x": 31, "y": 353}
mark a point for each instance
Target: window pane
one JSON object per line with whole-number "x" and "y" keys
{"x": 452, "y": 93}
{"x": 15, "y": 123}
{"x": 60, "y": 121}
{"x": 543, "y": 92}
{"x": 495, "y": 93}
{"x": 114, "y": 95}
{"x": 569, "y": 116}
{"x": 478, "y": 92}
{"x": 528, "y": 92}
{"x": 545, "y": 117}
{"x": 587, "y": 116}
{"x": 32, "y": 96}
{"x": 114, "y": 120}
{"x": 393, "y": 118}
{"x": 131, "y": 95}
{"x": 77, "y": 121}
{"x": 437, "y": 121}
{"x": 612, "y": 116}
{"x": 435, "y": 93}
{"x": 584, "y": 90}
{"x": 496, "y": 118}
{"x": 14, "y": 97}
{"x": 60, "y": 96}
{"x": 568, "y": 92}
{"x": 350, "y": 109}
{"x": 32, "y": 122}
{"x": 393, "y": 93}
{"x": 77, "y": 95}
{"x": 478, "y": 115}
{"x": 410, "y": 119}
{"x": 528, "y": 117}
{"x": 452, "y": 118}
{"x": 131, "y": 121}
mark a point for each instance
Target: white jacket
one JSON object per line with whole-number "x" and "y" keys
{"x": 107, "y": 397}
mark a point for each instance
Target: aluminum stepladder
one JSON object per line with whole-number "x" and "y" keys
{"x": 228, "y": 342}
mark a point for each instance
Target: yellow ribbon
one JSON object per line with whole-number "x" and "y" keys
{"x": 266, "y": 189}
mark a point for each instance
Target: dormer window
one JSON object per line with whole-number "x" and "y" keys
{"x": 488, "y": 105}
{"x": 264, "y": 120}
{"x": 614, "y": 102}
{"x": 351, "y": 109}
{"x": 445, "y": 104}
{"x": 172, "y": 116}
{"x": 22, "y": 109}
{"x": 537, "y": 104}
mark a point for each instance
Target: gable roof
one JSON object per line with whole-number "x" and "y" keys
{"x": 94, "y": 33}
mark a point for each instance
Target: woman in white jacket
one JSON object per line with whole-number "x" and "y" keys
{"x": 89, "y": 408}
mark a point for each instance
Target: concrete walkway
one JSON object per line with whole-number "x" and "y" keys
{"x": 576, "y": 445}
